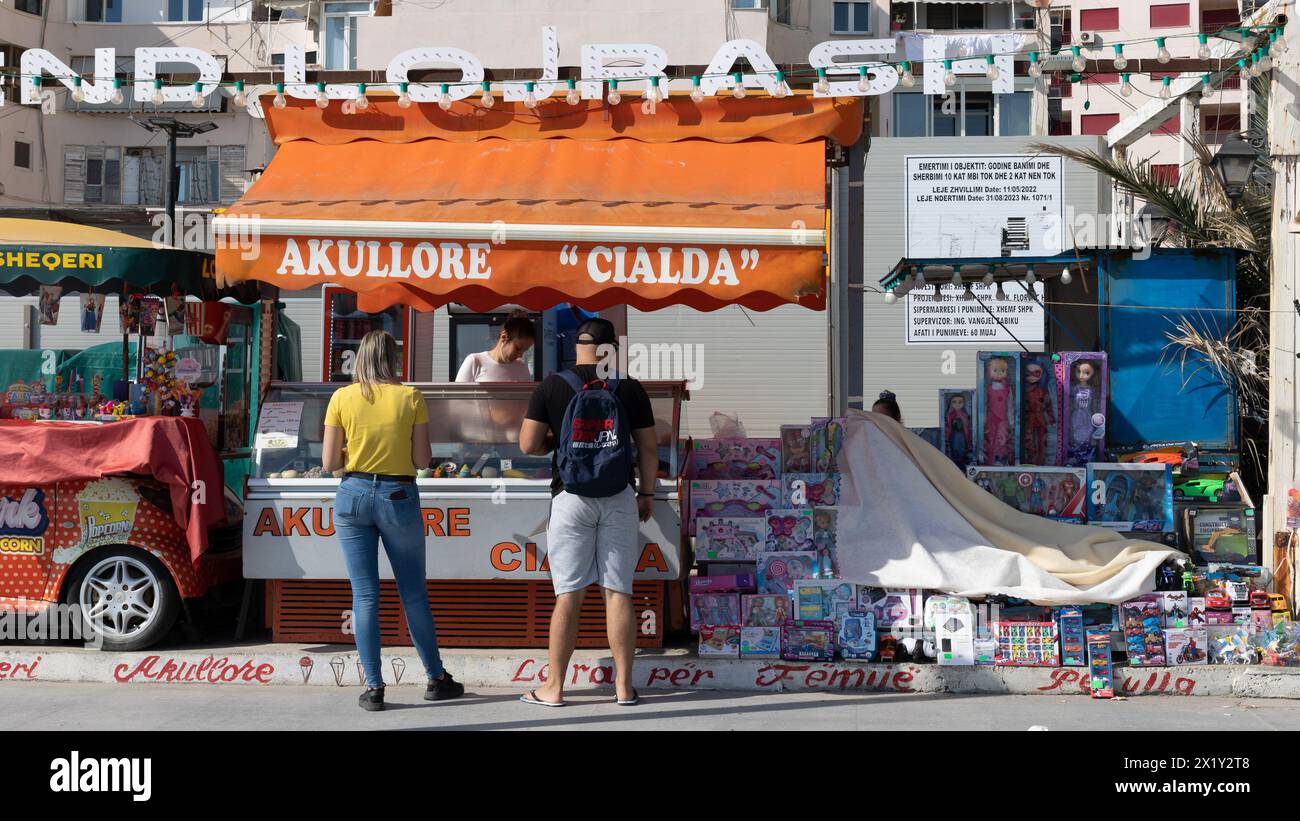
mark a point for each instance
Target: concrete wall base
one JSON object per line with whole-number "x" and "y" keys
{"x": 524, "y": 669}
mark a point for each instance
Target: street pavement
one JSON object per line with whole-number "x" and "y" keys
{"x": 66, "y": 706}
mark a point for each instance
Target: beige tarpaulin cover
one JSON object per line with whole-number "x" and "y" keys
{"x": 908, "y": 517}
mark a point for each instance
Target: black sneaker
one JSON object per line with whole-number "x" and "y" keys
{"x": 443, "y": 688}
{"x": 372, "y": 700}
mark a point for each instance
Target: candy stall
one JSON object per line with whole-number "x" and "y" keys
{"x": 485, "y": 510}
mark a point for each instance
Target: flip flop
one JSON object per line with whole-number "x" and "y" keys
{"x": 631, "y": 702}
{"x": 531, "y": 698}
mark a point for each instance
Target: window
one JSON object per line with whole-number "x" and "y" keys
{"x": 185, "y": 11}
{"x": 950, "y": 16}
{"x": 1168, "y": 174}
{"x": 29, "y": 6}
{"x": 902, "y": 16}
{"x": 749, "y": 4}
{"x": 277, "y": 59}
{"x": 1097, "y": 124}
{"x": 340, "y": 34}
{"x": 22, "y": 155}
{"x": 1099, "y": 19}
{"x": 1171, "y": 15}
{"x": 852, "y": 18}
{"x": 1024, "y": 16}
{"x": 103, "y": 11}
{"x": 1213, "y": 20}
{"x": 781, "y": 11}
{"x": 1014, "y": 114}
{"x": 968, "y": 113}
{"x": 1174, "y": 126}
{"x": 1062, "y": 34}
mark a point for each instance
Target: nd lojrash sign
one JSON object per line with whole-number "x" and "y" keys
{"x": 599, "y": 62}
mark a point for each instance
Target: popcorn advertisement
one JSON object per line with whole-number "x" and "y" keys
{"x": 106, "y": 509}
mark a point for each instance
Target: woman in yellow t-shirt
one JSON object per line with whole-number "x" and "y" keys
{"x": 386, "y": 427}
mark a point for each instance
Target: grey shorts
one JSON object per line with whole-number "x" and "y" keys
{"x": 593, "y": 541}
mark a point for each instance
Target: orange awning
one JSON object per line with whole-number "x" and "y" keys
{"x": 401, "y": 206}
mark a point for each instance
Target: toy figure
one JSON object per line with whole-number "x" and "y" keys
{"x": 1085, "y": 397}
{"x": 957, "y": 433}
{"x": 1038, "y": 415}
{"x": 1036, "y": 489}
{"x": 999, "y": 405}
{"x": 1118, "y": 492}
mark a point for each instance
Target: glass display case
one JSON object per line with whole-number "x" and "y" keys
{"x": 473, "y": 428}
{"x": 345, "y": 325}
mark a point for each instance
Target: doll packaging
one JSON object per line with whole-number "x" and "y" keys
{"x": 765, "y": 609}
{"x": 714, "y": 608}
{"x": 1082, "y": 379}
{"x": 729, "y": 583}
{"x": 1133, "y": 497}
{"x": 799, "y": 490}
{"x": 732, "y": 497}
{"x": 789, "y": 529}
{"x": 736, "y": 458}
{"x": 957, "y": 425}
{"x": 1040, "y": 413}
{"x": 728, "y": 537}
{"x": 997, "y": 429}
{"x": 1053, "y": 492}
{"x": 796, "y": 448}
{"x": 777, "y": 572}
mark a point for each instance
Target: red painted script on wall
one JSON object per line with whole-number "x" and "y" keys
{"x": 211, "y": 670}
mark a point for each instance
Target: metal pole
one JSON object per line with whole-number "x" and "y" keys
{"x": 171, "y": 186}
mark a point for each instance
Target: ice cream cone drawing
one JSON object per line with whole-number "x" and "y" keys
{"x": 339, "y": 666}
{"x": 305, "y": 664}
{"x": 106, "y": 509}
{"x": 361, "y": 673}
{"x": 399, "y": 667}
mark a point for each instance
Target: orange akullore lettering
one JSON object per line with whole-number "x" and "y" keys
{"x": 499, "y": 562}
{"x": 267, "y": 523}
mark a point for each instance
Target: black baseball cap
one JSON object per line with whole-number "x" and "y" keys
{"x": 597, "y": 331}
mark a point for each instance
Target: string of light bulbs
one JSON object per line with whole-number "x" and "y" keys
{"x": 1254, "y": 65}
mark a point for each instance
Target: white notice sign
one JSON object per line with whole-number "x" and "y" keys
{"x": 985, "y": 206}
{"x": 956, "y": 320}
{"x": 277, "y": 427}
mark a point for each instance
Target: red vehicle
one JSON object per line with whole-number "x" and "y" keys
{"x": 1217, "y": 599}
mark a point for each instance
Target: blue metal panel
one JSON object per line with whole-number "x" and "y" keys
{"x": 1152, "y": 397}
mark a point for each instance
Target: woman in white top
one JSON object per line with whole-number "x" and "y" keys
{"x": 505, "y": 362}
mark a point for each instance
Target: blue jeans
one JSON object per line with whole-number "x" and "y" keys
{"x": 364, "y": 510}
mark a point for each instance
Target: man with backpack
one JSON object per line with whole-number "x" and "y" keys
{"x": 599, "y": 428}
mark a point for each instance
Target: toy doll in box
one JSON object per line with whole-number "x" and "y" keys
{"x": 729, "y": 537}
{"x": 777, "y": 572}
{"x": 1053, "y": 492}
{"x": 714, "y": 608}
{"x": 720, "y": 640}
{"x": 810, "y": 489}
{"x": 998, "y": 392}
{"x": 1039, "y": 413}
{"x": 736, "y": 458}
{"x": 760, "y": 642}
{"x": 956, "y": 432}
{"x": 1083, "y": 380}
{"x": 732, "y": 497}
{"x": 827, "y": 440}
{"x": 808, "y": 641}
{"x": 1176, "y": 608}
{"x": 1133, "y": 497}
{"x": 857, "y": 635}
{"x": 789, "y": 529}
{"x": 764, "y": 609}
{"x": 796, "y": 452}
{"x": 825, "y": 521}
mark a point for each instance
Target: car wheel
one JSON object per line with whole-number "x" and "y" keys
{"x": 126, "y": 597}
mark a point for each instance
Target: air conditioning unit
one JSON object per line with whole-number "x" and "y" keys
{"x": 1089, "y": 38}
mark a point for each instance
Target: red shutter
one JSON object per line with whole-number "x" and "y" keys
{"x": 1102, "y": 79}
{"x": 1097, "y": 124}
{"x": 1166, "y": 173}
{"x": 1173, "y": 126}
{"x": 1099, "y": 19}
{"x": 1171, "y": 15}
{"x": 1215, "y": 19}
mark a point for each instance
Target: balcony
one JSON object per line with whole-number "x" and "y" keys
{"x": 962, "y": 18}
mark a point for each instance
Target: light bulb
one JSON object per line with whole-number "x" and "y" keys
{"x": 361, "y": 101}
{"x": 1206, "y": 82}
{"x": 613, "y": 98}
{"x": 1120, "y": 61}
{"x": 1035, "y": 70}
{"x": 968, "y": 295}
{"x": 949, "y": 77}
{"x": 738, "y": 87}
{"x": 990, "y": 70}
{"x": 322, "y": 99}
{"x": 1254, "y": 68}
{"x": 918, "y": 279}
{"x": 907, "y": 79}
{"x": 1000, "y": 295}
{"x": 530, "y": 97}
{"x": 1126, "y": 88}
{"x": 157, "y": 97}
{"x": 487, "y": 100}
{"x": 198, "y": 100}
{"x": 241, "y": 96}
{"x": 1203, "y": 51}
{"x": 890, "y": 297}
{"x": 956, "y": 277}
{"x": 77, "y": 94}
{"x": 697, "y": 96}
{"x": 118, "y": 97}
{"x": 1066, "y": 276}
{"x": 1265, "y": 63}
{"x": 1030, "y": 278}
{"x": 1162, "y": 53}
{"x": 823, "y": 87}
{"x": 403, "y": 96}
{"x": 444, "y": 99}
{"x": 864, "y": 83}
{"x": 279, "y": 101}
{"x": 988, "y": 277}
{"x": 1164, "y": 89}
{"x": 938, "y": 296}
{"x": 573, "y": 97}
{"x": 1078, "y": 63}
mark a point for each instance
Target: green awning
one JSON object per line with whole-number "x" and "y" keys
{"x": 81, "y": 258}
